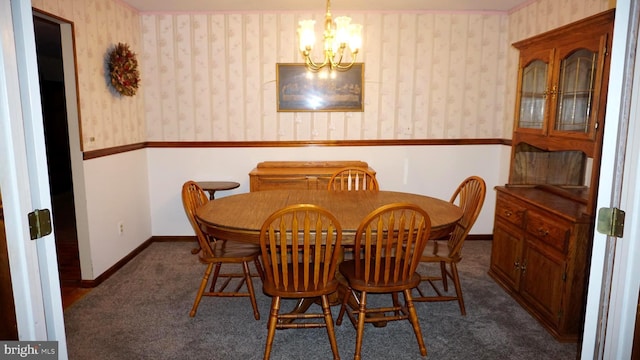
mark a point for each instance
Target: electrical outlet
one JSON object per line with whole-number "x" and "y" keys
{"x": 120, "y": 228}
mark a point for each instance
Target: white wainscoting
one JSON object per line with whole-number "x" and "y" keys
{"x": 430, "y": 170}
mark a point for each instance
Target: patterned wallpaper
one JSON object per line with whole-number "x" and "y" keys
{"x": 427, "y": 76}
{"x": 107, "y": 119}
{"x": 211, "y": 76}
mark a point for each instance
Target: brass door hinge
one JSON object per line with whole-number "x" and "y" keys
{"x": 39, "y": 223}
{"x": 611, "y": 222}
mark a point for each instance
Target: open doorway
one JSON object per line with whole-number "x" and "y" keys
{"x": 54, "y": 111}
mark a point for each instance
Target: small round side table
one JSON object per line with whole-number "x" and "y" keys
{"x": 212, "y": 186}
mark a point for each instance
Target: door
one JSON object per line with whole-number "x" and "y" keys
{"x": 533, "y": 88}
{"x": 540, "y": 263}
{"x": 9, "y": 328}
{"x": 578, "y": 78}
{"x": 506, "y": 254}
{"x": 635, "y": 354}
{"x": 614, "y": 277}
{"x": 24, "y": 180}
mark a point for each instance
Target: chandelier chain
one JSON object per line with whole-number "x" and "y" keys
{"x": 338, "y": 35}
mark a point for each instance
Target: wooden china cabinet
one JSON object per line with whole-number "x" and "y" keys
{"x": 544, "y": 216}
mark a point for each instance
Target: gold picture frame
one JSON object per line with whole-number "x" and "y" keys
{"x": 300, "y": 89}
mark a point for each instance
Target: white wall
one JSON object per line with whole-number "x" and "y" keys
{"x": 116, "y": 191}
{"x": 141, "y": 188}
{"x": 432, "y": 170}
{"x": 107, "y": 118}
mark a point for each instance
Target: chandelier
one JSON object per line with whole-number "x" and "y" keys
{"x": 337, "y": 36}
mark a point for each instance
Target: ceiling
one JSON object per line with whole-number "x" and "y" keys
{"x": 319, "y": 5}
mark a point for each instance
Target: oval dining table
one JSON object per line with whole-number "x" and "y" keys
{"x": 239, "y": 217}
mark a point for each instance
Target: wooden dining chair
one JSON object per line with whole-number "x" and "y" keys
{"x": 300, "y": 251}
{"x": 216, "y": 252}
{"x": 353, "y": 179}
{"x": 469, "y": 196}
{"x": 387, "y": 250}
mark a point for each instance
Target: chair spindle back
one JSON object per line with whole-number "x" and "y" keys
{"x": 469, "y": 196}
{"x": 353, "y": 179}
{"x": 193, "y": 196}
{"x": 389, "y": 243}
{"x": 300, "y": 247}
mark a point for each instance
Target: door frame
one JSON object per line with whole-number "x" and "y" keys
{"x": 24, "y": 180}
{"x": 67, "y": 34}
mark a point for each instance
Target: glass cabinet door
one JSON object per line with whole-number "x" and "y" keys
{"x": 533, "y": 95}
{"x": 575, "y": 91}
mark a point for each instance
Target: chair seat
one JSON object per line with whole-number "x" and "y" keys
{"x": 347, "y": 269}
{"x": 232, "y": 251}
{"x": 436, "y": 250}
{"x": 293, "y": 291}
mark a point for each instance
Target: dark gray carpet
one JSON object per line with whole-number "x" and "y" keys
{"x": 142, "y": 312}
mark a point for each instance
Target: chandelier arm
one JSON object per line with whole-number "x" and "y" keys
{"x": 341, "y": 67}
{"x": 334, "y": 60}
{"x": 337, "y": 63}
{"x": 311, "y": 65}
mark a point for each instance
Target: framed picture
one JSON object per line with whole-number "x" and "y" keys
{"x": 300, "y": 89}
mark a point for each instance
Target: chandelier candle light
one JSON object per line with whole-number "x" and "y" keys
{"x": 337, "y": 36}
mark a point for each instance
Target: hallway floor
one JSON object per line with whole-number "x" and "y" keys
{"x": 67, "y": 248}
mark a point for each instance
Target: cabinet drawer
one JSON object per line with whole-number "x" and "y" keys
{"x": 549, "y": 231}
{"x": 510, "y": 210}
{"x": 278, "y": 183}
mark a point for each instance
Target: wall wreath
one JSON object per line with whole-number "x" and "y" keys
{"x": 123, "y": 67}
